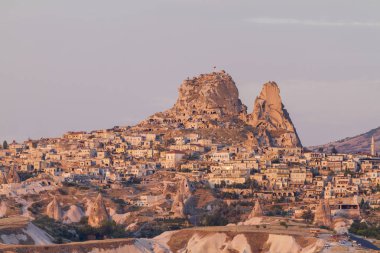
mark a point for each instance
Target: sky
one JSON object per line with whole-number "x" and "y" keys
{"x": 70, "y": 65}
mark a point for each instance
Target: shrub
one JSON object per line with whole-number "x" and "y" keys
{"x": 308, "y": 216}
{"x": 364, "y": 229}
{"x": 213, "y": 220}
{"x": 283, "y": 223}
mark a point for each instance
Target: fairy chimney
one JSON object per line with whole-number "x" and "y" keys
{"x": 257, "y": 211}
{"x": 3, "y": 179}
{"x": 178, "y": 206}
{"x": 12, "y": 176}
{"x": 322, "y": 216}
{"x": 54, "y": 210}
{"x": 271, "y": 120}
{"x": 98, "y": 213}
{"x": 182, "y": 195}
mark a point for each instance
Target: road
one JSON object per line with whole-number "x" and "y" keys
{"x": 364, "y": 243}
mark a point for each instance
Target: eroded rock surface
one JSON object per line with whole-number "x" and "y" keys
{"x": 322, "y": 215}
{"x": 13, "y": 176}
{"x": 182, "y": 195}
{"x": 54, "y": 210}
{"x": 211, "y": 101}
{"x": 272, "y": 123}
{"x": 257, "y": 210}
{"x": 98, "y": 214}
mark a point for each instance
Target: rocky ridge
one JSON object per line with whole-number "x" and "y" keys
{"x": 187, "y": 241}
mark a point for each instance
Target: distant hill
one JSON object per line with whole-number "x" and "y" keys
{"x": 357, "y": 144}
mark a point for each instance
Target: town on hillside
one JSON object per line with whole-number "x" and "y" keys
{"x": 206, "y": 162}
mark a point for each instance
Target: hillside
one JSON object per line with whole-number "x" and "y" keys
{"x": 357, "y": 144}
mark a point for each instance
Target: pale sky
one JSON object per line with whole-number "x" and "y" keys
{"x": 91, "y": 64}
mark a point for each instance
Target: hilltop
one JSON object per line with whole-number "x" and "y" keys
{"x": 358, "y": 144}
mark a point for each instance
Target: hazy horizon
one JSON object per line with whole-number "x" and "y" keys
{"x": 88, "y": 64}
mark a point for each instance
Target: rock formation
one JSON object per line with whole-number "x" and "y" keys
{"x": 73, "y": 215}
{"x": 211, "y": 101}
{"x": 207, "y": 101}
{"x": 98, "y": 213}
{"x": 193, "y": 240}
{"x": 13, "y": 176}
{"x": 54, "y": 210}
{"x": 182, "y": 195}
{"x": 257, "y": 211}
{"x": 3, "y": 179}
{"x": 3, "y": 209}
{"x": 185, "y": 188}
{"x": 214, "y": 94}
{"x": 178, "y": 206}
{"x": 322, "y": 216}
{"x": 272, "y": 123}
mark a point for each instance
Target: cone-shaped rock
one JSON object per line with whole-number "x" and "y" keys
{"x": 178, "y": 207}
{"x": 185, "y": 188}
{"x": 3, "y": 208}
{"x": 13, "y": 176}
{"x": 257, "y": 211}
{"x": 54, "y": 210}
{"x": 3, "y": 179}
{"x": 182, "y": 195}
{"x": 271, "y": 120}
{"x": 74, "y": 214}
{"x": 98, "y": 213}
{"x": 322, "y": 216}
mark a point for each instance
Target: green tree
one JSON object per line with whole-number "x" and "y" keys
{"x": 308, "y": 216}
{"x": 364, "y": 205}
{"x": 284, "y": 224}
{"x": 5, "y": 145}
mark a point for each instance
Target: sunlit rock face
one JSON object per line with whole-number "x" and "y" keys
{"x": 205, "y": 101}
{"x": 211, "y": 101}
{"x": 13, "y": 176}
{"x": 189, "y": 241}
{"x": 182, "y": 195}
{"x": 54, "y": 210}
{"x": 257, "y": 210}
{"x": 322, "y": 215}
{"x": 98, "y": 213}
{"x": 272, "y": 123}
{"x": 214, "y": 93}
{"x": 3, "y": 179}
{"x": 73, "y": 215}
